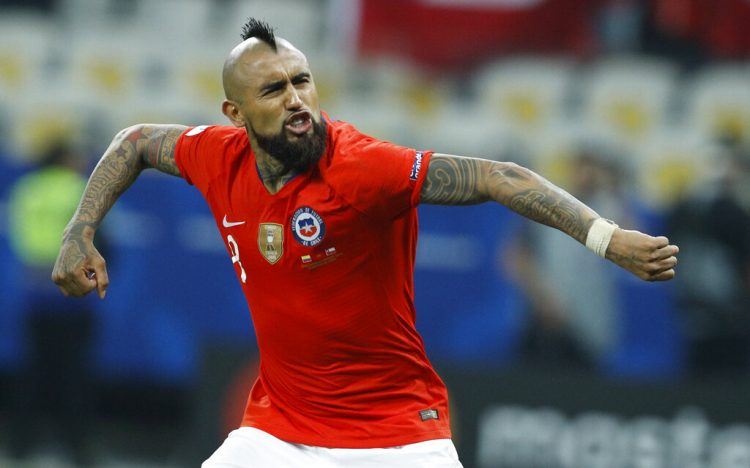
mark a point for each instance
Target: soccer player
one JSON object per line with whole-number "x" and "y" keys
{"x": 320, "y": 223}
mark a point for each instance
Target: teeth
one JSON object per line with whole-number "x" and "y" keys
{"x": 299, "y": 120}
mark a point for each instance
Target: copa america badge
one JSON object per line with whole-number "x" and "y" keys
{"x": 308, "y": 227}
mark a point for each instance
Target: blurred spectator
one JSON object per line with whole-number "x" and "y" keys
{"x": 573, "y": 298}
{"x": 53, "y": 388}
{"x": 726, "y": 31}
{"x": 40, "y": 5}
{"x": 712, "y": 227}
{"x": 618, "y": 25}
{"x": 674, "y": 30}
{"x": 694, "y": 31}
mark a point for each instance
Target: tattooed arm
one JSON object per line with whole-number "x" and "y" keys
{"x": 455, "y": 180}
{"x": 80, "y": 268}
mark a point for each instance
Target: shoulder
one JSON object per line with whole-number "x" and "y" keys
{"x": 342, "y": 134}
{"x": 349, "y": 145}
{"x": 205, "y": 151}
{"x": 355, "y": 157}
{"x": 218, "y": 133}
{"x": 213, "y": 139}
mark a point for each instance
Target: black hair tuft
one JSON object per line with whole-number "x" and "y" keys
{"x": 259, "y": 29}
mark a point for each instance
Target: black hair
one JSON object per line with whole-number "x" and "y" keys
{"x": 259, "y": 29}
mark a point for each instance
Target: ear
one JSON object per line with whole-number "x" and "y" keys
{"x": 232, "y": 111}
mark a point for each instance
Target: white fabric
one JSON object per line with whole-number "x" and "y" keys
{"x": 248, "y": 447}
{"x": 599, "y": 236}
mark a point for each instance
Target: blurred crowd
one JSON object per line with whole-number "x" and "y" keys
{"x": 640, "y": 108}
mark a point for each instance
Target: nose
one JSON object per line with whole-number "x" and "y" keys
{"x": 293, "y": 100}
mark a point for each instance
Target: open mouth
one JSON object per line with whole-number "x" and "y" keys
{"x": 299, "y": 123}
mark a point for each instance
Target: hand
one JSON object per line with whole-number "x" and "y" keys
{"x": 649, "y": 258}
{"x": 80, "y": 268}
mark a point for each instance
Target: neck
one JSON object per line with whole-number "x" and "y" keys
{"x": 272, "y": 172}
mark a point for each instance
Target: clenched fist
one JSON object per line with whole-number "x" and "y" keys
{"x": 79, "y": 268}
{"x": 649, "y": 258}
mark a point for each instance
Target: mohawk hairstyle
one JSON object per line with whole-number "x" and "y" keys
{"x": 259, "y": 29}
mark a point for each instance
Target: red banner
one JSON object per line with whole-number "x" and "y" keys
{"x": 454, "y": 34}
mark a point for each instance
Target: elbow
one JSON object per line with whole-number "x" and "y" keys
{"x": 130, "y": 133}
{"x": 507, "y": 169}
{"x": 506, "y": 180}
{"x": 510, "y": 169}
{"x": 129, "y": 146}
{"x": 132, "y": 140}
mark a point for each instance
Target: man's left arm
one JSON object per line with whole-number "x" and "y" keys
{"x": 456, "y": 180}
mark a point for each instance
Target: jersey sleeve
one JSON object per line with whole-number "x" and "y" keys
{"x": 380, "y": 178}
{"x": 194, "y": 155}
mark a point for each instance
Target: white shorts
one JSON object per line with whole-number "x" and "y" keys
{"x": 248, "y": 447}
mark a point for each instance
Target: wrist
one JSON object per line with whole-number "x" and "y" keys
{"x": 599, "y": 235}
{"x": 79, "y": 229}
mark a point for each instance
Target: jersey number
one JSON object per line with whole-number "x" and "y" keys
{"x": 236, "y": 256}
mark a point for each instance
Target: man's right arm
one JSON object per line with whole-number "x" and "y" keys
{"x": 80, "y": 268}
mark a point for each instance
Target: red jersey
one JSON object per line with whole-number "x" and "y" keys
{"x": 326, "y": 265}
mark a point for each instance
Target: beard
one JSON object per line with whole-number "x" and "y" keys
{"x": 296, "y": 156}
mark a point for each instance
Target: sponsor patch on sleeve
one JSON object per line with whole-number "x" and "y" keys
{"x": 196, "y": 130}
{"x": 417, "y": 166}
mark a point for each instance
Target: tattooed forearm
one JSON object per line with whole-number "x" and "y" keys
{"x": 452, "y": 180}
{"x": 114, "y": 173}
{"x": 132, "y": 150}
{"x": 534, "y": 197}
{"x": 550, "y": 209}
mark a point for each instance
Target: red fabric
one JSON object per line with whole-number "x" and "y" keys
{"x": 341, "y": 363}
{"x": 461, "y": 34}
{"x": 235, "y": 398}
{"x": 721, "y": 26}
{"x": 681, "y": 19}
{"x": 728, "y": 34}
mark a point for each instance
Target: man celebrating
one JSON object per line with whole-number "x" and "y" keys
{"x": 320, "y": 223}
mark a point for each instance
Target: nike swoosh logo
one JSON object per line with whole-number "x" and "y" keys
{"x": 228, "y": 224}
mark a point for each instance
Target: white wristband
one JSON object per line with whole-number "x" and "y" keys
{"x": 599, "y": 236}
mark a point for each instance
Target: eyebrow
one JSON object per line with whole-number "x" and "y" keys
{"x": 299, "y": 76}
{"x": 278, "y": 84}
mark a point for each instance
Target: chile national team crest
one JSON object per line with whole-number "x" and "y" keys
{"x": 308, "y": 227}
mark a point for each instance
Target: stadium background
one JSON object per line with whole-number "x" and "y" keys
{"x": 662, "y": 84}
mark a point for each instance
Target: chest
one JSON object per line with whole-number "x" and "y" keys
{"x": 305, "y": 226}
